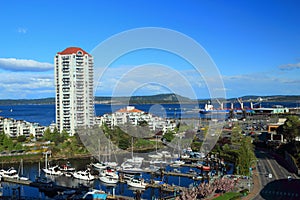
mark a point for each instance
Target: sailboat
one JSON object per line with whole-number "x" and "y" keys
{"x": 102, "y": 165}
{"x": 108, "y": 161}
{"x": 21, "y": 176}
{"x": 157, "y": 155}
{"x": 133, "y": 164}
{"x": 54, "y": 170}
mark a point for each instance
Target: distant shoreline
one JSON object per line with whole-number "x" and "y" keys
{"x": 154, "y": 99}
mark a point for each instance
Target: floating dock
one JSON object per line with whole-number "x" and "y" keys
{"x": 17, "y": 181}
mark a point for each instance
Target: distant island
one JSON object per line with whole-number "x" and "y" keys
{"x": 155, "y": 99}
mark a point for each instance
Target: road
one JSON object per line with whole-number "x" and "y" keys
{"x": 277, "y": 187}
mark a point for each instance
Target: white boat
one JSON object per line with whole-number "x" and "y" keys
{"x": 158, "y": 161}
{"x": 156, "y": 155}
{"x": 178, "y": 163}
{"x": 67, "y": 167}
{"x": 137, "y": 183}
{"x": 109, "y": 172}
{"x": 166, "y": 154}
{"x": 10, "y": 173}
{"x": 99, "y": 165}
{"x": 128, "y": 176}
{"x": 110, "y": 179}
{"x": 135, "y": 160}
{"x": 185, "y": 156}
{"x": 111, "y": 164}
{"x": 176, "y": 170}
{"x": 84, "y": 175}
{"x": 21, "y": 172}
{"x": 129, "y": 168}
{"x": 152, "y": 168}
{"x": 53, "y": 171}
{"x": 95, "y": 194}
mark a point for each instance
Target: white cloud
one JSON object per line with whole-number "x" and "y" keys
{"x": 263, "y": 83}
{"x": 290, "y": 66}
{"x": 22, "y": 30}
{"x": 30, "y": 85}
{"x": 13, "y": 64}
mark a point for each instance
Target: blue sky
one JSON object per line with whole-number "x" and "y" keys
{"x": 254, "y": 44}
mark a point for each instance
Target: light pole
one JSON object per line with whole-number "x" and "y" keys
{"x": 249, "y": 183}
{"x": 250, "y": 174}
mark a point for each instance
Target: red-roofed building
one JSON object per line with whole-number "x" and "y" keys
{"x": 73, "y": 50}
{"x": 74, "y": 83}
{"x": 129, "y": 109}
{"x": 136, "y": 117}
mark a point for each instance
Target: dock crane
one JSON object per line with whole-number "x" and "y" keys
{"x": 241, "y": 103}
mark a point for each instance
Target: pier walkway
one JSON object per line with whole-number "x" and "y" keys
{"x": 17, "y": 181}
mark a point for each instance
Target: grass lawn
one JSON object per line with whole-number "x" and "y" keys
{"x": 228, "y": 196}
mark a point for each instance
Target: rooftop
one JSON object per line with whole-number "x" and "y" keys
{"x": 129, "y": 109}
{"x": 72, "y": 50}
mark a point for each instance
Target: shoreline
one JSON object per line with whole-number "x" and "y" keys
{"x": 38, "y": 157}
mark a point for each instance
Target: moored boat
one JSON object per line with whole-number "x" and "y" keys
{"x": 137, "y": 183}
{"x": 95, "y": 194}
{"x": 54, "y": 170}
{"x": 66, "y": 167}
{"x": 83, "y": 175}
{"x": 204, "y": 167}
{"x": 99, "y": 165}
{"x": 10, "y": 173}
{"x": 109, "y": 171}
{"x": 110, "y": 179}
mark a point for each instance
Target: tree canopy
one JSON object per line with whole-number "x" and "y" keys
{"x": 290, "y": 129}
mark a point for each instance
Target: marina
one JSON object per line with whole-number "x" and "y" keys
{"x": 160, "y": 183}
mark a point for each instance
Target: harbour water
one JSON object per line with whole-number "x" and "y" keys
{"x": 31, "y": 170}
{"x": 45, "y": 114}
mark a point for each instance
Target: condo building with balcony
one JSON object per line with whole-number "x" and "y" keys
{"x": 134, "y": 116}
{"x": 74, "y": 86}
{"x": 14, "y": 128}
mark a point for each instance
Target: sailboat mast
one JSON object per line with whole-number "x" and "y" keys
{"x": 46, "y": 160}
{"x": 132, "y": 147}
{"x": 39, "y": 169}
{"x": 21, "y": 166}
{"x": 109, "y": 150}
{"x": 99, "y": 150}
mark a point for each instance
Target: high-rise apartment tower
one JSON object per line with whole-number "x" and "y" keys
{"x": 74, "y": 86}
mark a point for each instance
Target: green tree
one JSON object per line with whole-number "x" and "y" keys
{"x": 290, "y": 129}
{"x": 143, "y": 123}
{"x": 47, "y": 134}
{"x": 236, "y": 134}
{"x": 21, "y": 138}
{"x": 8, "y": 143}
{"x": 246, "y": 156}
{"x": 169, "y": 136}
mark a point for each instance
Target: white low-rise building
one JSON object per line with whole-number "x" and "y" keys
{"x": 14, "y": 128}
{"x": 135, "y": 116}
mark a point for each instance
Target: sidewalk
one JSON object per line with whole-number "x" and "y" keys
{"x": 256, "y": 187}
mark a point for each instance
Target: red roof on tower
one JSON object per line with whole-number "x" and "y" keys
{"x": 71, "y": 50}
